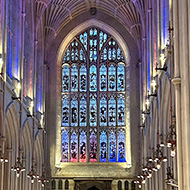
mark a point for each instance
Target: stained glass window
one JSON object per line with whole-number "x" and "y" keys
{"x": 67, "y": 56}
{"x": 93, "y": 111}
{"x": 74, "y": 112}
{"x": 74, "y": 78}
{"x": 83, "y": 39}
{"x": 121, "y": 146}
{"x": 112, "y": 78}
{"x": 93, "y": 78}
{"x": 93, "y": 146}
{"x": 82, "y": 55}
{"x": 65, "y": 79}
{"x": 83, "y": 112}
{"x": 112, "y": 147}
{"x": 103, "y": 146}
{"x": 119, "y": 54}
{"x": 73, "y": 148}
{"x": 103, "y": 111}
{"x": 121, "y": 111}
{"x": 121, "y": 77}
{"x": 103, "y": 78}
{"x": 65, "y": 111}
{"x": 93, "y": 99}
{"x": 83, "y": 81}
{"x": 64, "y": 146}
{"x": 112, "y": 111}
{"x": 82, "y": 147}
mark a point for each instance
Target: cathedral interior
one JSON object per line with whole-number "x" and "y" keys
{"x": 94, "y": 94}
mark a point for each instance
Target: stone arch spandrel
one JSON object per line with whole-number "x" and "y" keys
{"x": 27, "y": 151}
{"x": 39, "y": 153}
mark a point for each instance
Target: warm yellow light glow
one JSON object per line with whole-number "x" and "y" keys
{"x": 162, "y": 58}
{"x": 173, "y": 153}
{"x": 158, "y": 166}
{"x": 41, "y": 120}
{"x": 153, "y": 83}
{"x": 32, "y": 104}
{"x": 18, "y": 86}
{"x": 147, "y": 102}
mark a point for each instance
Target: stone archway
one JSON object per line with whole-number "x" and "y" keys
{"x": 90, "y": 184}
{"x": 93, "y": 188}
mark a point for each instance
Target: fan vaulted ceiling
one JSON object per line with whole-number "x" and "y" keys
{"x": 59, "y": 12}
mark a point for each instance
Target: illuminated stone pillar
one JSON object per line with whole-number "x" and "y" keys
{"x": 182, "y": 89}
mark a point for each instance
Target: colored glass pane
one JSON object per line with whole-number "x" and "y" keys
{"x": 82, "y": 147}
{"x": 74, "y": 112}
{"x": 74, "y": 78}
{"x": 103, "y": 78}
{"x": 121, "y": 147}
{"x": 90, "y": 97}
{"x": 65, "y": 78}
{"x": 103, "y": 111}
{"x": 83, "y": 81}
{"x": 112, "y": 78}
{"x": 83, "y": 112}
{"x": 93, "y": 147}
{"x": 121, "y": 111}
{"x": 64, "y": 146}
{"x": 103, "y": 146}
{"x": 112, "y": 112}
{"x": 93, "y": 78}
{"x": 65, "y": 112}
{"x": 112, "y": 147}
{"x": 73, "y": 148}
{"x": 121, "y": 77}
{"x": 93, "y": 112}
{"x": 82, "y": 55}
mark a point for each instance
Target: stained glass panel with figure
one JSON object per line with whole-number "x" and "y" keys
{"x": 103, "y": 78}
{"x": 65, "y": 111}
{"x": 121, "y": 77}
{"x": 112, "y": 147}
{"x": 121, "y": 146}
{"x": 103, "y": 111}
{"x": 74, "y": 112}
{"x": 64, "y": 146}
{"x": 83, "y": 78}
{"x": 74, "y": 78}
{"x": 93, "y": 111}
{"x": 121, "y": 111}
{"x": 93, "y": 146}
{"x": 65, "y": 78}
{"x": 82, "y": 147}
{"x": 112, "y": 78}
{"x": 112, "y": 111}
{"x": 93, "y": 78}
{"x": 83, "y": 112}
{"x": 74, "y": 147}
{"x": 103, "y": 147}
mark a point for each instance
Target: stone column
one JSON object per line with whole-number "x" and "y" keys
{"x": 181, "y": 82}
{"x": 114, "y": 185}
{"x": 184, "y": 68}
{"x": 71, "y": 184}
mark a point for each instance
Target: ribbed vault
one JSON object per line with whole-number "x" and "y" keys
{"x": 59, "y": 12}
